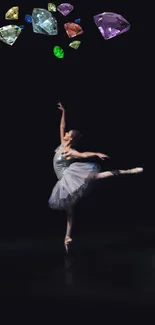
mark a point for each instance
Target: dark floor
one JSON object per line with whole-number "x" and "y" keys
{"x": 111, "y": 268}
{"x": 109, "y": 271}
{"x": 106, "y": 276}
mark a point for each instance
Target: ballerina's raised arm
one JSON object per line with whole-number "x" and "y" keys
{"x": 62, "y": 123}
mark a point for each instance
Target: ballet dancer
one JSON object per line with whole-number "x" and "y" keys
{"x": 74, "y": 177}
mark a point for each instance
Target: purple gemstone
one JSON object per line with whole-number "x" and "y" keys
{"x": 111, "y": 24}
{"x": 65, "y": 8}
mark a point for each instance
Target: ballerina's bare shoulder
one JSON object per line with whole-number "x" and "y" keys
{"x": 62, "y": 148}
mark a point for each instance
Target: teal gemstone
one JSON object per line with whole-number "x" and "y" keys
{"x": 44, "y": 22}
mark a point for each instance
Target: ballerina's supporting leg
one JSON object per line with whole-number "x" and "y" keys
{"x": 69, "y": 228}
{"x": 119, "y": 172}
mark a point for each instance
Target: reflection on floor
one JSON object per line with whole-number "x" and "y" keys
{"x": 107, "y": 268}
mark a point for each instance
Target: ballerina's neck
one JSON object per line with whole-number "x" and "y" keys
{"x": 67, "y": 145}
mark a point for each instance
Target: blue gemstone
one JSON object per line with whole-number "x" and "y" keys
{"x": 22, "y": 26}
{"x": 28, "y": 19}
{"x": 78, "y": 21}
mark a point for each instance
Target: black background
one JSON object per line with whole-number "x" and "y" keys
{"x": 102, "y": 88}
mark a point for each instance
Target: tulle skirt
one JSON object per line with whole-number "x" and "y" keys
{"x": 76, "y": 180}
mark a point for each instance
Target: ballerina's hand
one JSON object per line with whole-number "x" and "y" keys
{"x": 102, "y": 156}
{"x": 68, "y": 154}
{"x": 60, "y": 106}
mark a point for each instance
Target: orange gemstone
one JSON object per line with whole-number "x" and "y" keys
{"x": 73, "y": 29}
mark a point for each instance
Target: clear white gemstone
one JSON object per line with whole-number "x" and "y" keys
{"x": 44, "y": 22}
{"x": 9, "y": 34}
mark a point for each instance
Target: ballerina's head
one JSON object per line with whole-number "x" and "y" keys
{"x": 73, "y": 137}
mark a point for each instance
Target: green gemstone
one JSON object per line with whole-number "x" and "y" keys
{"x": 58, "y": 52}
{"x": 51, "y": 7}
{"x": 75, "y": 44}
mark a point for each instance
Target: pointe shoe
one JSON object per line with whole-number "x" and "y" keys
{"x": 136, "y": 170}
{"x": 67, "y": 241}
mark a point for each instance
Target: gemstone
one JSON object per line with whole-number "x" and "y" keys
{"x": 78, "y": 21}
{"x": 58, "y": 52}
{"x": 73, "y": 29}
{"x": 44, "y": 22}
{"x": 22, "y": 26}
{"x": 65, "y": 8}
{"x": 9, "y": 34}
{"x": 75, "y": 45}
{"x": 12, "y": 13}
{"x": 28, "y": 18}
{"x": 111, "y": 24}
{"x": 52, "y": 7}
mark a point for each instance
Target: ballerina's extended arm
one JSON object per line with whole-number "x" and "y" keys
{"x": 78, "y": 155}
{"x": 62, "y": 123}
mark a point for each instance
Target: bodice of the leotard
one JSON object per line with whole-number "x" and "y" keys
{"x": 60, "y": 163}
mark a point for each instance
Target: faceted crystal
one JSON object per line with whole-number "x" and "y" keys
{"x": 22, "y": 26}
{"x": 58, "y": 52}
{"x": 9, "y": 34}
{"x": 12, "y": 13}
{"x": 78, "y": 21}
{"x": 75, "y": 45}
{"x": 44, "y": 22}
{"x": 28, "y": 18}
{"x": 111, "y": 24}
{"x": 65, "y": 8}
{"x": 52, "y": 7}
{"x": 73, "y": 29}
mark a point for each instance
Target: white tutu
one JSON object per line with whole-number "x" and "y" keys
{"x": 72, "y": 186}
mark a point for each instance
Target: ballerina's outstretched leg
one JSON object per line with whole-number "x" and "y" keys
{"x": 118, "y": 172}
{"x": 101, "y": 175}
{"x": 68, "y": 239}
